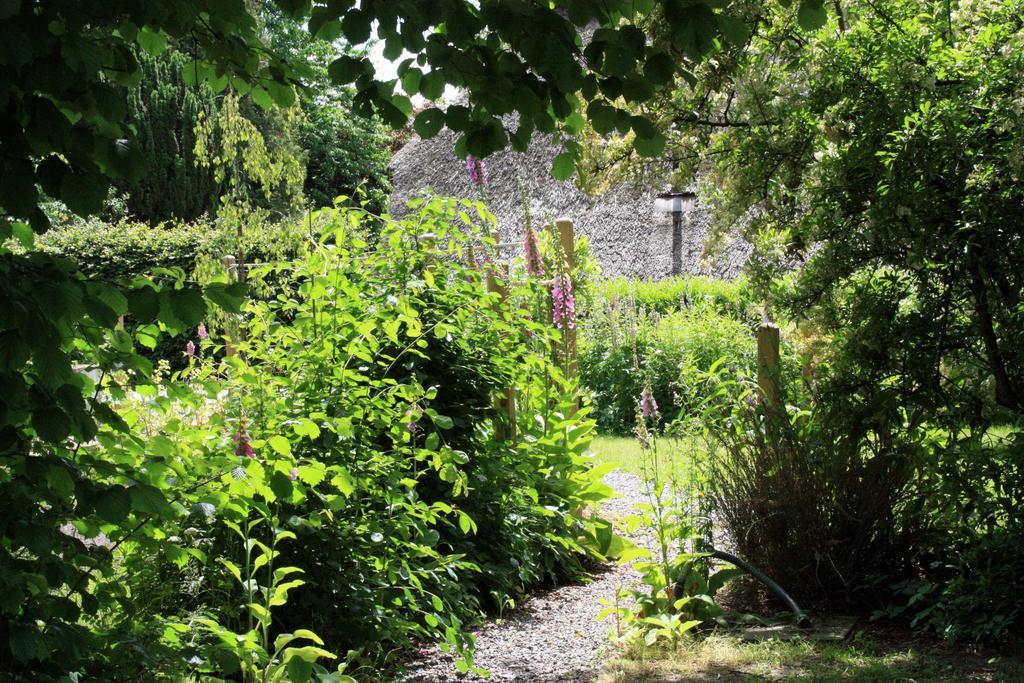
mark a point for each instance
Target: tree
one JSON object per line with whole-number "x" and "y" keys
{"x": 163, "y": 110}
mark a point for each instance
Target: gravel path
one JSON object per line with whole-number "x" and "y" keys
{"x": 553, "y": 637}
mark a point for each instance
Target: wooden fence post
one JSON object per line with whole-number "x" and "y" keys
{"x": 568, "y": 241}
{"x": 230, "y": 338}
{"x": 505, "y": 403}
{"x": 769, "y": 367}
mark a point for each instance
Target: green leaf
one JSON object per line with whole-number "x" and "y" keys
{"x": 734, "y": 30}
{"x": 51, "y": 424}
{"x": 649, "y": 142}
{"x": 143, "y": 303}
{"x": 101, "y": 313}
{"x": 308, "y": 653}
{"x": 150, "y": 500}
{"x": 111, "y": 296}
{"x": 659, "y": 68}
{"x": 227, "y": 296}
{"x": 811, "y": 15}
{"x": 432, "y": 85}
{"x": 25, "y": 642}
{"x": 443, "y": 421}
{"x": 429, "y": 122}
{"x": 563, "y": 166}
{"x": 343, "y": 481}
{"x": 187, "y": 305}
{"x": 23, "y": 233}
{"x": 60, "y": 481}
{"x": 84, "y": 192}
{"x": 411, "y": 81}
{"x": 299, "y": 670}
{"x": 113, "y": 505}
{"x": 306, "y": 427}
{"x": 280, "y": 444}
{"x": 345, "y": 69}
{"x": 356, "y": 26}
{"x": 152, "y": 41}
{"x": 312, "y": 473}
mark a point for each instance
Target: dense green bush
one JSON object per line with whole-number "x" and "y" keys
{"x": 120, "y": 251}
{"x": 624, "y": 348}
{"x": 347, "y": 470}
{"x": 343, "y": 153}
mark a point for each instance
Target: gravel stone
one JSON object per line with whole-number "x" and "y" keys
{"x": 554, "y": 636}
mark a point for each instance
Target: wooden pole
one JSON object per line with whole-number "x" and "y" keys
{"x": 769, "y": 367}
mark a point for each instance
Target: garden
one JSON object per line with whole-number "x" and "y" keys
{"x": 258, "y": 422}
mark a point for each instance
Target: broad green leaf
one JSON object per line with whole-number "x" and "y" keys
{"x": 186, "y": 305}
{"x": 344, "y": 482}
{"x": 734, "y": 30}
{"x": 563, "y": 166}
{"x": 113, "y": 504}
{"x": 432, "y": 85}
{"x": 150, "y": 500}
{"x": 84, "y": 191}
{"x": 811, "y": 14}
{"x": 151, "y": 40}
{"x": 280, "y": 444}
{"x": 429, "y": 122}
{"x": 308, "y": 653}
{"x": 227, "y": 296}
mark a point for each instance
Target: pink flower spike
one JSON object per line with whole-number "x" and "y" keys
{"x": 648, "y": 406}
{"x": 190, "y": 348}
{"x": 563, "y": 303}
{"x": 477, "y": 171}
{"x": 294, "y": 474}
{"x": 531, "y": 253}
{"x": 202, "y": 332}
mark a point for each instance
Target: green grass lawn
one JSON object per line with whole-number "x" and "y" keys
{"x": 867, "y": 656}
{"x": 625, "y": 452}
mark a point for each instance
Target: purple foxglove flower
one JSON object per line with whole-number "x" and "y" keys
{"x": 412, "y": 416}
{"x": 531, "y": 253}
{"x": 477, "y": 171}
{"x": 648, "y": 406}
{"x": 564, "y": 303}
{"x": 243, "y": 447}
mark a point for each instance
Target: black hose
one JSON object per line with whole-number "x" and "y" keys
{"x": 802, "y": 620}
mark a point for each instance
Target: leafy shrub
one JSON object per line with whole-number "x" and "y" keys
{"x": 970, "y": 585}
{"x": 623, "y": 349}
{"x": 354, "y": 444}
{"x": 729, "y": 297}
{"x": 120, "y": 251}
{"x": 345, "y": 152}
{"x": 823, "y": 497}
